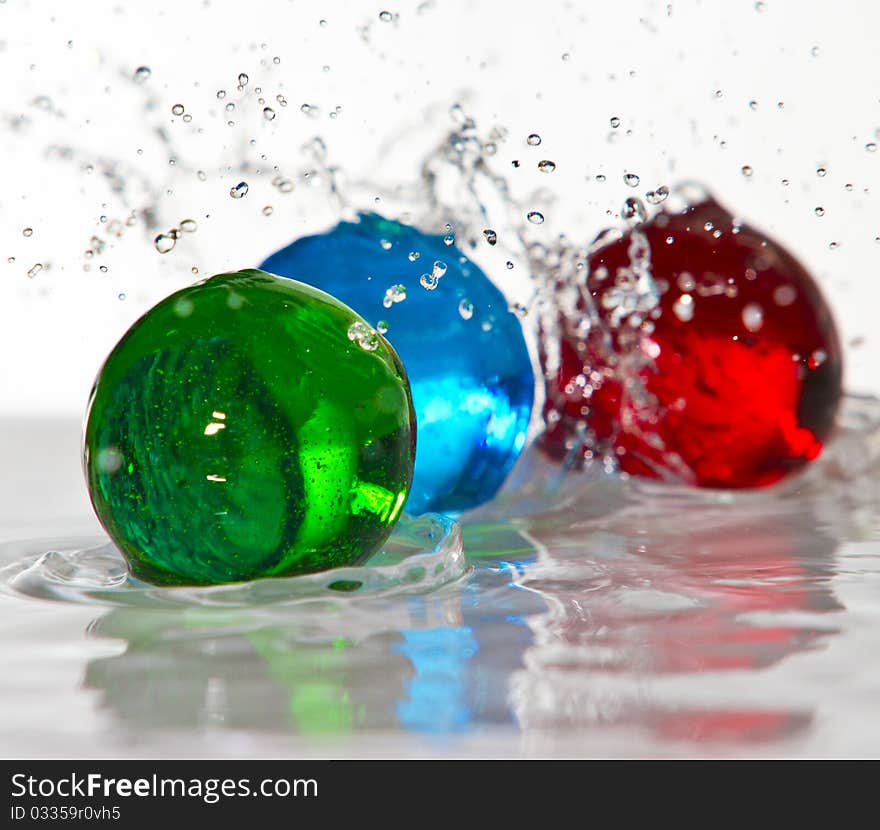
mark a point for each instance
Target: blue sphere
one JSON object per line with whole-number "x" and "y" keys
{"x": 468, "y": 364}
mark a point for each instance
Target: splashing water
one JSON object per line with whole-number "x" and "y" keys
{"x": 423, "y": 554}
{"x": 594, "y": 601}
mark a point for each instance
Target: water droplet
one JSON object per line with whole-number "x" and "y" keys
{"x": 821, "y": 172}
{"x": 239, "y": 190}
{"x": 163, "y": 243}
{"x": 630, "y": 179}
{"x": 429, "y": 282}
{"x": 615, "y": 122}
{"x": 221, "y": 94}
{"x": 753, "y": 105}
{"x": 747, "y": 171}
{"x": 535, "y": 217}
{"x": 633, "y": 209}
{"x": 815, "y": 51}
{"x": 546, "y": 166}
{"x": 817, "y": 358}
{"x": 366, "y": 337}
{"x": 515, "y": 163}
{"x": 188, "y": 225}
{"x": 491, "y": 236}
{"x": 466, "y": 309}
{"x": 413, "y": 256}
{"x": 871, "y": 147}
{"x": 386, "y": 17}
{"x": 784, "y": 295}
{"x": 27, "y": 232}
{"x": 518, "y": 309}
{"x": 438, "y": 269}
{"x": 177, "y": 109}
{"x": 267, "y": 210}
{"x": 282, "y": 101}
{"x": 449, "y": 240}
{"x": 35, "y": 270}
{"x": 683, "y": 308}
{"x": 753, "y": 316}
{"x": 120, "y": 296}
{"x": 268, "y": 113}
{"x": 382, "y": 327}
{"x": 142, "y": 74}
{"x": 509, "y": 265}
{"x": 819, "y": 211}
{"x": 395, "y": 294}
{"x": 533, "y": 140}
{"x": 282, "y": 184}
{"x": 202, "y": 175}
{"x": 655, "y": 197}
{"x": 243, "y": 79}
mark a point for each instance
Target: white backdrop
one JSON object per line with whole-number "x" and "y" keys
{"x": 701, "y": 89}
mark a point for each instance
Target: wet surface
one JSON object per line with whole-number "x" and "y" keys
{"x": 595, "y": 617}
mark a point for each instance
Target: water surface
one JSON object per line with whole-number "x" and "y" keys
{"x": 592, "y": 617}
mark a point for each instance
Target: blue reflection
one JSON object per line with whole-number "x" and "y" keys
{"x": 437, "y": 694}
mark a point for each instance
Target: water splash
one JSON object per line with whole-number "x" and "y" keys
{"x": 422, "y": 555}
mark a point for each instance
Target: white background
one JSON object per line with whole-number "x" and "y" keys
{"x": 680, "y": 76}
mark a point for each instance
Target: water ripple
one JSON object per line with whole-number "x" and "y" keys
{"x": 422, "y": 555}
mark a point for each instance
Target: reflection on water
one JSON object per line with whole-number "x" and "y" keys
{"x": 615, "y": 618}
{"x": 652, "y": 616}
{"x": 657, "y": 613}
{"x": 414, "y": 664}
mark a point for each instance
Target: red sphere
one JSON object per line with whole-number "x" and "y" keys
{"x": 721, "y": 368}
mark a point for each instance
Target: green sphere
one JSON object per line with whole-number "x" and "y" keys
{"x": 248, "y": 426}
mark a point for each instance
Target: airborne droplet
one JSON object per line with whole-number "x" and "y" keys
{"x": 753, "y": 317}
{"x": 163, "y": 243}
{"x": 395, "y": 294}
{"x": 655, "y": 197}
